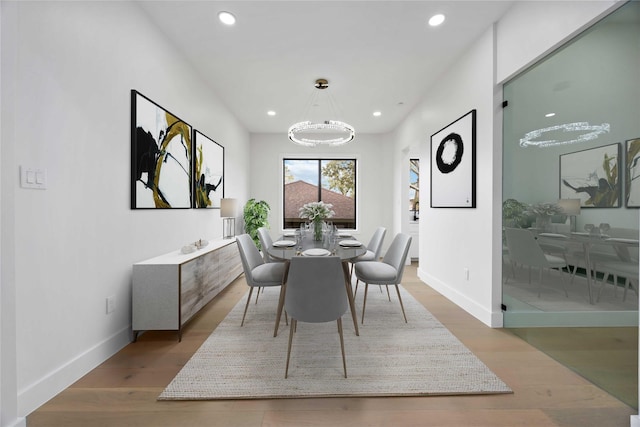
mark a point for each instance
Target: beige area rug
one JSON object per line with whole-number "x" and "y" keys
{"x": 389, "y": 358}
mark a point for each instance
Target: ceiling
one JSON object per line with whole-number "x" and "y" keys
{"x": 376, "y": 55}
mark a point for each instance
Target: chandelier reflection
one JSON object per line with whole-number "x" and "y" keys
{"x": 589, "y": 132}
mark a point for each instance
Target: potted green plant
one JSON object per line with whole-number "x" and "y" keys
{"x": 514, "y": 214}
{"x": 256, "y": 214}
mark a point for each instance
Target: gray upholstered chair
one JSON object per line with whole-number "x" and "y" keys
{"x": 374, "y": 247}
{"x": 266, "y": 242}
{"x": 626, "y": 269}
{"x": 626, "y": 266}
{"x": 315, "y": 293}
{"x": 373, "y": 251}
{"x": 388, "y": 271}
{"x": 257, "y": 273}
{"x": 525, "y": 250}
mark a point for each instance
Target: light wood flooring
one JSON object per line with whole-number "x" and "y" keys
{"x": 123, "y": 390}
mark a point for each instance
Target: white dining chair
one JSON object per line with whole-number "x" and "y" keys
{"x": 315, "y": 293}
{"x": 525, "y": 250}
{"x": 625, "y": 266}
{"x": 258, "y": 274}
{"x": 625, "y": 269}
{"x": 386, "y": 272}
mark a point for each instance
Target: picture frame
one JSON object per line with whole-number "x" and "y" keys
{"x": 160, "y": 157}
{"x": 632, "y": 173}
{"x": 593, "y": 176}
{"x": 208, "y": 171}
{"x": 453, "y": 164}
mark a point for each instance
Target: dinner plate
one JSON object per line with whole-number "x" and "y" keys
{"x": 555, "y": 235}
{"x": 350, "y": 243}
{"x": 289, "y": 233}
{"x": 284, "y": 243}
{"x": 344, "y": 235}
{"x": 316, "y": 252}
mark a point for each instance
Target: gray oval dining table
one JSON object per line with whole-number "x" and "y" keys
{"x": 306, "y": 242}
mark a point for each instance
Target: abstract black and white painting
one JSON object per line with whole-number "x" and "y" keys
{"x": 593, "y": 176}
{"x": 160, "y": 157}
{"x": 208, "y": 171}
{"x": 632, "y": 199}
{"x": 453, "y": 164}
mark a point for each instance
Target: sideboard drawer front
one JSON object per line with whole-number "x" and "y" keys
{"x": 230, "y": 264}
{"x": 200, "y": 283}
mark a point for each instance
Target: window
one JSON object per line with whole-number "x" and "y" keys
{"x": 414, "y": 188}
{"x": 311, "y": 180}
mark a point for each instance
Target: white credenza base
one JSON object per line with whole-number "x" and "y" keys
{"x": 170, "y": 289}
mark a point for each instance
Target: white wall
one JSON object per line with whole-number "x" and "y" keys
{"x": 66, "y": 249}
{"x": 532, "y": 29}
{"x": 375, "y": 184}
{"x": 455, "y": 239}
{"x": 469, "y": 84}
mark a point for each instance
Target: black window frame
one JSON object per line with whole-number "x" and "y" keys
{"x": 286, "y": 224}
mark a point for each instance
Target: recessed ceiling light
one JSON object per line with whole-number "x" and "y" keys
{"x": 271, "y": 113}
{"x": 436, "y": 20}
{"x": 377, "y": 113}
{"x": 227, "y": 18}
{"x": 550, "y": 114}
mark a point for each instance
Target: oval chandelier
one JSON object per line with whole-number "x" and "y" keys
{"x": 327, "y": 132}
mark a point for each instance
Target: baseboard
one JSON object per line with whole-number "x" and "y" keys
{"x": 490, "y": 319}
{"x": 36, "y": 394}
{"x": 635, "y": 421}
{"x": 18, "y": 422}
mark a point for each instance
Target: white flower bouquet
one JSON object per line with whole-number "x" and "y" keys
{"x": 317, "y": 211}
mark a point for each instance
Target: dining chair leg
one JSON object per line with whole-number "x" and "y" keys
{"x": 364, "y": 302}
{"x": 246, "y": 306}
{"x": 564, "y": 286}
{"x": 291, "y": 331}
{"x": 539, "y": 281}
{"x": 344, "y": 360}
{"x": 401, "y": 305}
{"x": 629, "y": 284}
{"x": 283, "y": 290}
{"x": 388, "y": 294}
{"x": 258, "y": 294}
{"x": 605, "y": 277}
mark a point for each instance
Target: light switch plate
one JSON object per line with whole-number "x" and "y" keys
{"x": 32, "y": 177}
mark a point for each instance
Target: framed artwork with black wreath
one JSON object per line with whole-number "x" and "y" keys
{"x": 453, "y": 164}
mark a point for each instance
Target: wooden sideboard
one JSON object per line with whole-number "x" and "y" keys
{"x": 170, "y": 289}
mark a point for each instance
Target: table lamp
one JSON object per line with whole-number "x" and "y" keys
{"x": 571, "y": 208}
{"x": 228, "y": 208}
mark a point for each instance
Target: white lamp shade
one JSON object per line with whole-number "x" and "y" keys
{"x": 228, "y": 208}
{"x": 570, "y": 206}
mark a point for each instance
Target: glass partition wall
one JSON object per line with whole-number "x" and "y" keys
{"x": 571, "y": 152}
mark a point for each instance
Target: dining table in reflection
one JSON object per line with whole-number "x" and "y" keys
{"x": 294, "y": 243}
